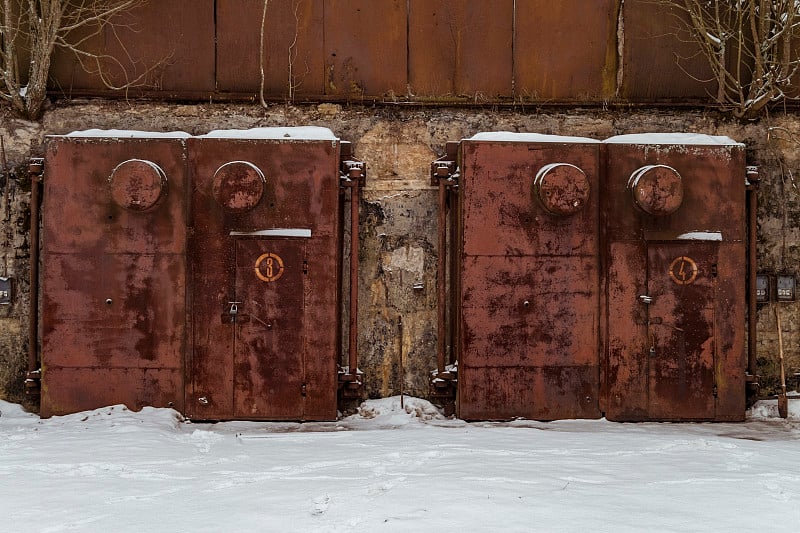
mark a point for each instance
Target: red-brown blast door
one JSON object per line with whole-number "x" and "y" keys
{"x": 681, "y": 280}
{"x": 268, "y": 322}
{"x": 264, "y": 258}
{"x": 530, "y": 290}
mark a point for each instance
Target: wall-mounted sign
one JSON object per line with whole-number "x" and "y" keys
{"x": 786, "y": 286}
{"x": 763, "y": 293}
{"x": 5, "y": 291}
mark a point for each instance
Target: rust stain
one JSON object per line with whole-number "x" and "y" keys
{"x": 122, "y": 258}
{"x": 529, "y": 278}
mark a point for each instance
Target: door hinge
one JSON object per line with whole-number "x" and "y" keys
{"x": 352, "y": 172}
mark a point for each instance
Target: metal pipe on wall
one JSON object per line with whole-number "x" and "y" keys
{"x": 441, "y": 273}
{"x": 355, "y": 197}
{"x": 752, "y": 264}
{"x": 35, "y": 171}
{"x": 340, "y": 277}
{"x": 455, "y": 290}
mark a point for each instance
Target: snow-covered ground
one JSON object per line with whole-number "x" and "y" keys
{"x": 388, "y": 469}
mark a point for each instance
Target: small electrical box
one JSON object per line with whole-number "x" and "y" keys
{"x": 5, "y": 291}
{"x": 786, "y": 285}
{"x": 763, "y": 292}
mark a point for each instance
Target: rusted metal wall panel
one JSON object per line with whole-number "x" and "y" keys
{"x": 459, "y": 48}
{"x": 537, "y": 393}
{"x": 423, "y": 50}
{"x": 67, "y": 74}
{"x": 71, "y": 390}
{"x": 530, "y": 290}
{"x": 564, "y": 50}
{"x": 660, "y": 59}
{"x": 675, "y": 296}
{"x": 681, "y": 373}
{"x": 182, "y": 59}
{"x": 162, "y": 46}
{"x": 366, "y": 48}
{"x": 114, "y": 275}
{"x": 626, "y": 355}
{"x": 277, "y": 358}
{"x": 293, "y": 51}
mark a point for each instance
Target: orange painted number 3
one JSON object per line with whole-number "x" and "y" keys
{"x": 269, "y": 267}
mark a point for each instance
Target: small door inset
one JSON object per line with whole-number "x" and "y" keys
{"x": 681, "y": 279}
{"x": 269, "y": 328}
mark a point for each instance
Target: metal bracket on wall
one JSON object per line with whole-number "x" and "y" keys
{"x": 350, "y": 383}
{"x": 446, "y": 167}
{"x": 353, "y": 174}
{"x": 444, "y": 381}
{"x": 33, "y": 377}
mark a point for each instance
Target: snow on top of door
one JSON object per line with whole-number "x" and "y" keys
{"x": 130, "y": 134}
{"x": 274, "y": 232}
{"x": 701, "y": 236}
{"x": 510, "y": 136}
{"x": 672, "y": 138}
{"x": 306, "y": 133}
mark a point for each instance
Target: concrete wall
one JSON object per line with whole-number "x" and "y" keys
{"x": 398, "y": 231}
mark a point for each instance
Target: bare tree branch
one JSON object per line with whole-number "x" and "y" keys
{"x": 752, "y": 47}
{"x": 45, "y": 24}
{"x": 261, "y": 56}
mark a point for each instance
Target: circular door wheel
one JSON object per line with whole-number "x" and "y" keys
{"x": 238, "y": 186}
{"x": 563, "y": 189}
{"x": 657, "y": 189}
{"x": 137, "y": 184}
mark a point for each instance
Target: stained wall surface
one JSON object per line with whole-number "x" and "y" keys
{"x": 442, "y": 51}
{"x": 398, "y": 210}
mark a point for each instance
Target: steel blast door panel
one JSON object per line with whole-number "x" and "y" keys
{"x": 113, "y": 273}
{"x": 530, "y": 281}
{"x": 681, "y": 281}
{"x": 268, "y": 343}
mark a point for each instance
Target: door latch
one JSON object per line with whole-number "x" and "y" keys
{"x": 645, "y": 299}
{"x": 233, "y": 316}
{"x": 229, "y": 317}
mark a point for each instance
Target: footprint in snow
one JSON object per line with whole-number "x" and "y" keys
{"x": 321, "y": 504}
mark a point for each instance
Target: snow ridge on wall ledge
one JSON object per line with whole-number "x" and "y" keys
{"x": 313, "y": 133}
{"x": 306, "y": 133}
{"x": 635, "y": 138}
{"x": 673, "y": 138}
{"x": 510, "y": 136}
{"x": 129, "y": 134}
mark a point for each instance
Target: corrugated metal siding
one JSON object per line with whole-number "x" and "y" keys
{"x": 407, "y": 50}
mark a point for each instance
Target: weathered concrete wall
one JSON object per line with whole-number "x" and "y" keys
{"x": 398, "y": 220}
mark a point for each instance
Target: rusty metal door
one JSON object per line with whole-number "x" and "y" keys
{"x": 264, "y": 258}
{"x": 681, "y": 343}
{"x": 529, "y": 288}
{"x": 267, "y": 317}
{"x": 113, "y": 272}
